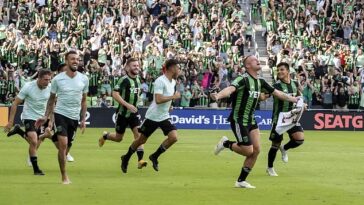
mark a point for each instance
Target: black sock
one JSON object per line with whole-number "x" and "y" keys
{"x": 228, "y": 144}
{"x": 34, "y": 162}
{"x": 292, "y": 144}
{"x": 244, "y": 174}
{"x": 159, "y": 151}
{"x": 130, "y": 152}
{"x": 105, "y": 136}
{"x": 272, "y": 156}
{"x": 140, "y": 153}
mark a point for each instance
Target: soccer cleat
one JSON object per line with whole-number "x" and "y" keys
{"x": 124, "y": 164}
{"x": 38, "y": 172}
{"x": 142, "y": 164}
{"x": 244, "y": 184}
{"x": 29, "y": 163}
{"x": 15, "y": 130}
{"x": 271, "y": 172}
{"x": 284, "y": 154}
{"x": 70, "y": 158}
{"x": 220, "y": 146}
{"x": 102, "y": 140}
{"x": 155, "y": 162}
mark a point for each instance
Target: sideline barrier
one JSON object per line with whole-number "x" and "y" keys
{"x": 4, "y": 113}
{"x": 211, "y": 119}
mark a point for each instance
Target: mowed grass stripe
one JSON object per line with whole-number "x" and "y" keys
{"x": 327, "y": 169}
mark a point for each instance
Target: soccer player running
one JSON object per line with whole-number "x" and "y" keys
{"x": 48, "y": 132}
{"x": 35, "y": 95}
{"x": 245, "y": 91}
{"x": 158, "y": 115}
{"x": 290, "y": 87}
{"x": 70, "y": 89}
{"x": 126, "y": 93}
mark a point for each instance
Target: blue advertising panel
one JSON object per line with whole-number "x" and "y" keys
{"x": 213, "y": 119}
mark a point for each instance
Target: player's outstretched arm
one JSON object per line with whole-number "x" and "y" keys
{"x": 226, "y": 92}
{"x": 283, "y": 96}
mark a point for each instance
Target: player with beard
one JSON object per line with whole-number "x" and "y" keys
{"x": 127, "y": 92}
{"x": 158, "y": 115}
{"x": 70, "y": 89}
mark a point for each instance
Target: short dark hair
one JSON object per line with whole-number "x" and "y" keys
{"x": 130, "y": 60}
{"x": 171, "y": 62}
{"x": 43, "y": 72}
{"x": 60, "y": 67}
{"x": 284, "y": 64}
{"x": 70, "y": 53}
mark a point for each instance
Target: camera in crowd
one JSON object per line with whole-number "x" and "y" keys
{"x": 340, "y": 80}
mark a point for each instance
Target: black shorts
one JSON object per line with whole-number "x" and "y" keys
{"x": 149, "y": 126}
{"x": 30, "y": 126}
{"x": 65, "y": 127}
{"x": 248, "y": 37}
{"x": 275, "y": 137}
{"x": 123, "y": 122}
{"x": 93, "y": 90}
{"x": 241, "y": 132}
{"x": 2, "y": 98}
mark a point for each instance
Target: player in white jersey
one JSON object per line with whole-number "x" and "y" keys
{"x": 70, "y": 88}
{"x": 47, "y": 132}
{"x": 158, "y": 115}
{"x": 35, "y": 95}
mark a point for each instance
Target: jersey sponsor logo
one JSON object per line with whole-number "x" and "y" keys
{"x": 254, "y": 94}
{"x": 134, "y": 90}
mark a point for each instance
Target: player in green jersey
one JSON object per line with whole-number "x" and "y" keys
{"x": 127, "y": 93}
{"x": 245, "y": 92}
{"x": 292, "y": 88}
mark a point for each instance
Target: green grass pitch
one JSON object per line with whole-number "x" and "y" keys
{"x": 327, "y": 169}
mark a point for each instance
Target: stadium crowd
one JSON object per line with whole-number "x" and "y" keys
{"x": 207, "y": 36}
{"x": 322, "y": 40}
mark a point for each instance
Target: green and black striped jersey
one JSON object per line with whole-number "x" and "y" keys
{"x": 246, "y": 97}
{"x": 94, "y": 79}
{"x": 284, "y": 106}
{"x": 3, "y": 87}
{"x": 354, "y": 99}
{"x": 11, "y": 86}
{"x": 130, "y": 90}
